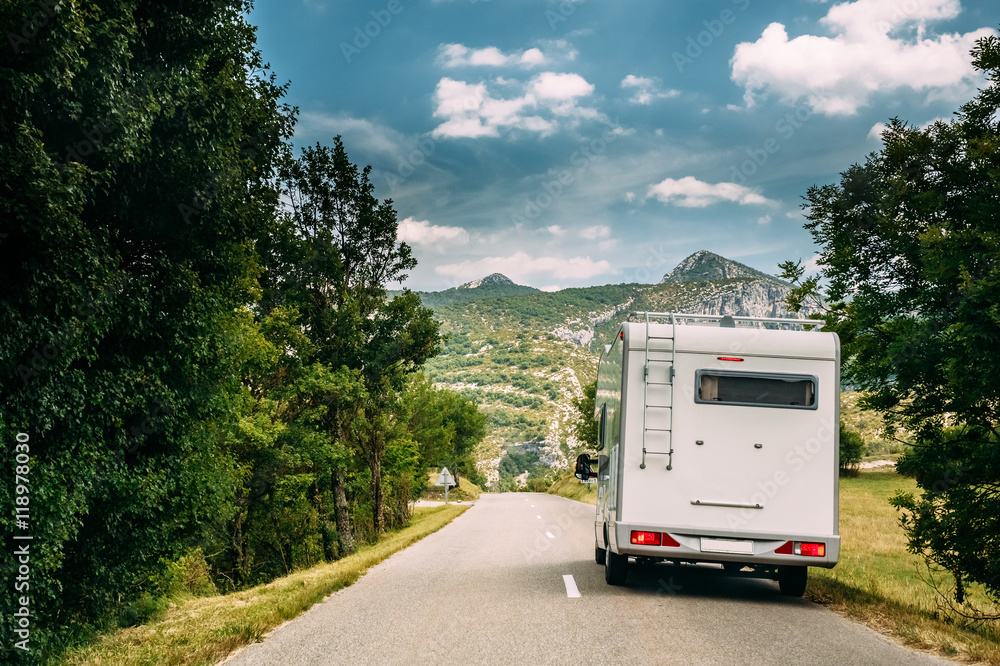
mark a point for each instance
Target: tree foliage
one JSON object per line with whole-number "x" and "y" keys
{"x": 911, "y": 251}
{"x": 587, "y": 427}
{"x": 137, "y": 143}
{"x": 201, "y": 375}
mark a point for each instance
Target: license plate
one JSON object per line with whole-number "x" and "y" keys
{"x": 727, "y": 546}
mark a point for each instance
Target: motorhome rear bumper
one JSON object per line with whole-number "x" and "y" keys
{"x": 693, "y": 544}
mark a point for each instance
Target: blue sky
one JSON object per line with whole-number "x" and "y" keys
{"x": 570, "y": 143}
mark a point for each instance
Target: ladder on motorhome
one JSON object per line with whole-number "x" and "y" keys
{"x": 659, "y": 374}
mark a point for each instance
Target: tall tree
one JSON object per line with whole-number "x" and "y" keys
{"x": 335, "y": 254}
{"x": 138, "y": 143}
{"x": 911, "y": 250}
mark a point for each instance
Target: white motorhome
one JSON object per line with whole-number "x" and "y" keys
{"x": 719, "y": 444}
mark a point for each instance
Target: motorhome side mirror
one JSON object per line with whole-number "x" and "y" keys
{"x": 583, "y": 471}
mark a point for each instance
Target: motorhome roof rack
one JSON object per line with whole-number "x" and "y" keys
{"x": 677, "y": 317}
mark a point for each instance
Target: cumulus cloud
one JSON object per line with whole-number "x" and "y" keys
{"x": 423, "y": 233}
{"x": 595, "y": 232}
{"x": 645, "y": 90}
{"x": 541, "y": 105}
{"x": 521, "y": 267}
{"x": 875, "y": 46}
{"x": 690, "y": 192}
{"x": 459, "y": 55}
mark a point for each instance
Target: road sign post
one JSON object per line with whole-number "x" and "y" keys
{"x": 445, "y": 479}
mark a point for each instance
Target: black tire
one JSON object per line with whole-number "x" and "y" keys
{"x": 792, "y": 580}
{"x": 599, "y": 554}
{"x": 615, "y": 568}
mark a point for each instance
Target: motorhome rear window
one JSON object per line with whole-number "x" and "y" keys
{"x": 756, "y": 389}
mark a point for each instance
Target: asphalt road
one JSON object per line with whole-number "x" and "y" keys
{"x": 493, "y": 588}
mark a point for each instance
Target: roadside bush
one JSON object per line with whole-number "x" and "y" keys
{"x": 852, "y": 449}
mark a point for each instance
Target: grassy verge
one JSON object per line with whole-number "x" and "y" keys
{"x": 467, "y": 491}
{"x": 570, "y": 487}
{"x": 878, "y": 582}
{"x": 206, "y": 630}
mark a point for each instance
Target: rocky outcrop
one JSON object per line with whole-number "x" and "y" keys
{"x": 756, "y": 298}
{"x": 705, "y": 266}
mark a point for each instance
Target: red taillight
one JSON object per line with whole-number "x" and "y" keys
{"x": 810, "y": 549}
{"x": 803, "y": 548}
{"x": 621, "y": 335}
{"x": 729, "y": 358}
{"x": 646, "y": 538}
{"x": 669, "y": 541}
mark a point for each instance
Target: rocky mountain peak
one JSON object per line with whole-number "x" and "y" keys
{"x": 705, "y": 266}
{"x": 489, "y": 280}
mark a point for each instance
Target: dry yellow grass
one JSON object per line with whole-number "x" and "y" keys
{"x": 879, "y": 583}
{"x": 206, "y": 630}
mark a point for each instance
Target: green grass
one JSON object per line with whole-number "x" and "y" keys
{"x": 207, "y": 630}
{"x": 572, "y": 488}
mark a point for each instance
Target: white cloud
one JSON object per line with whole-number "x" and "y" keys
{"x": 876, "y": 131}
{"x": 876, "y": 46}
{"x": 646, "y": 89}
{"x": 459, "y": 55}
{"x": 690, "y": 192}
{"x": 556, "y": 230}
{"x": 764, "y": 219}
{"x": 595, "y": 232}
{"x": 521, "y": 266}
{"x": 424, "y": 233}
{"x": 470, "y": 110}
{"x": 562, "y": 87}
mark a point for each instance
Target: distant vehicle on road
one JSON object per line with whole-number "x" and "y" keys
{"x": 719, "y": 444}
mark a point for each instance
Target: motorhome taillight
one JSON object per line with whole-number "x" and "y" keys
{"x": 810, "y": 549}
{"x": 669, "y": 541}
{"x": 729, "y": 358}
{"x": 621, "y": 335}
{"x": 803, "y": 548}
{"x": 645, "y": 538}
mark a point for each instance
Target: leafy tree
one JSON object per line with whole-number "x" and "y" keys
{"x": 446, "y": 426}
{"x": 852, "y": 447}
{"x": 138, "y": 142}
{"x": 334, "y": 254}
{"x": 911, "y": 251}
{"x": 586, "y": 428}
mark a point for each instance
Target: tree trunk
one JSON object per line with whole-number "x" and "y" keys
{"x": 344, "y": 534}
